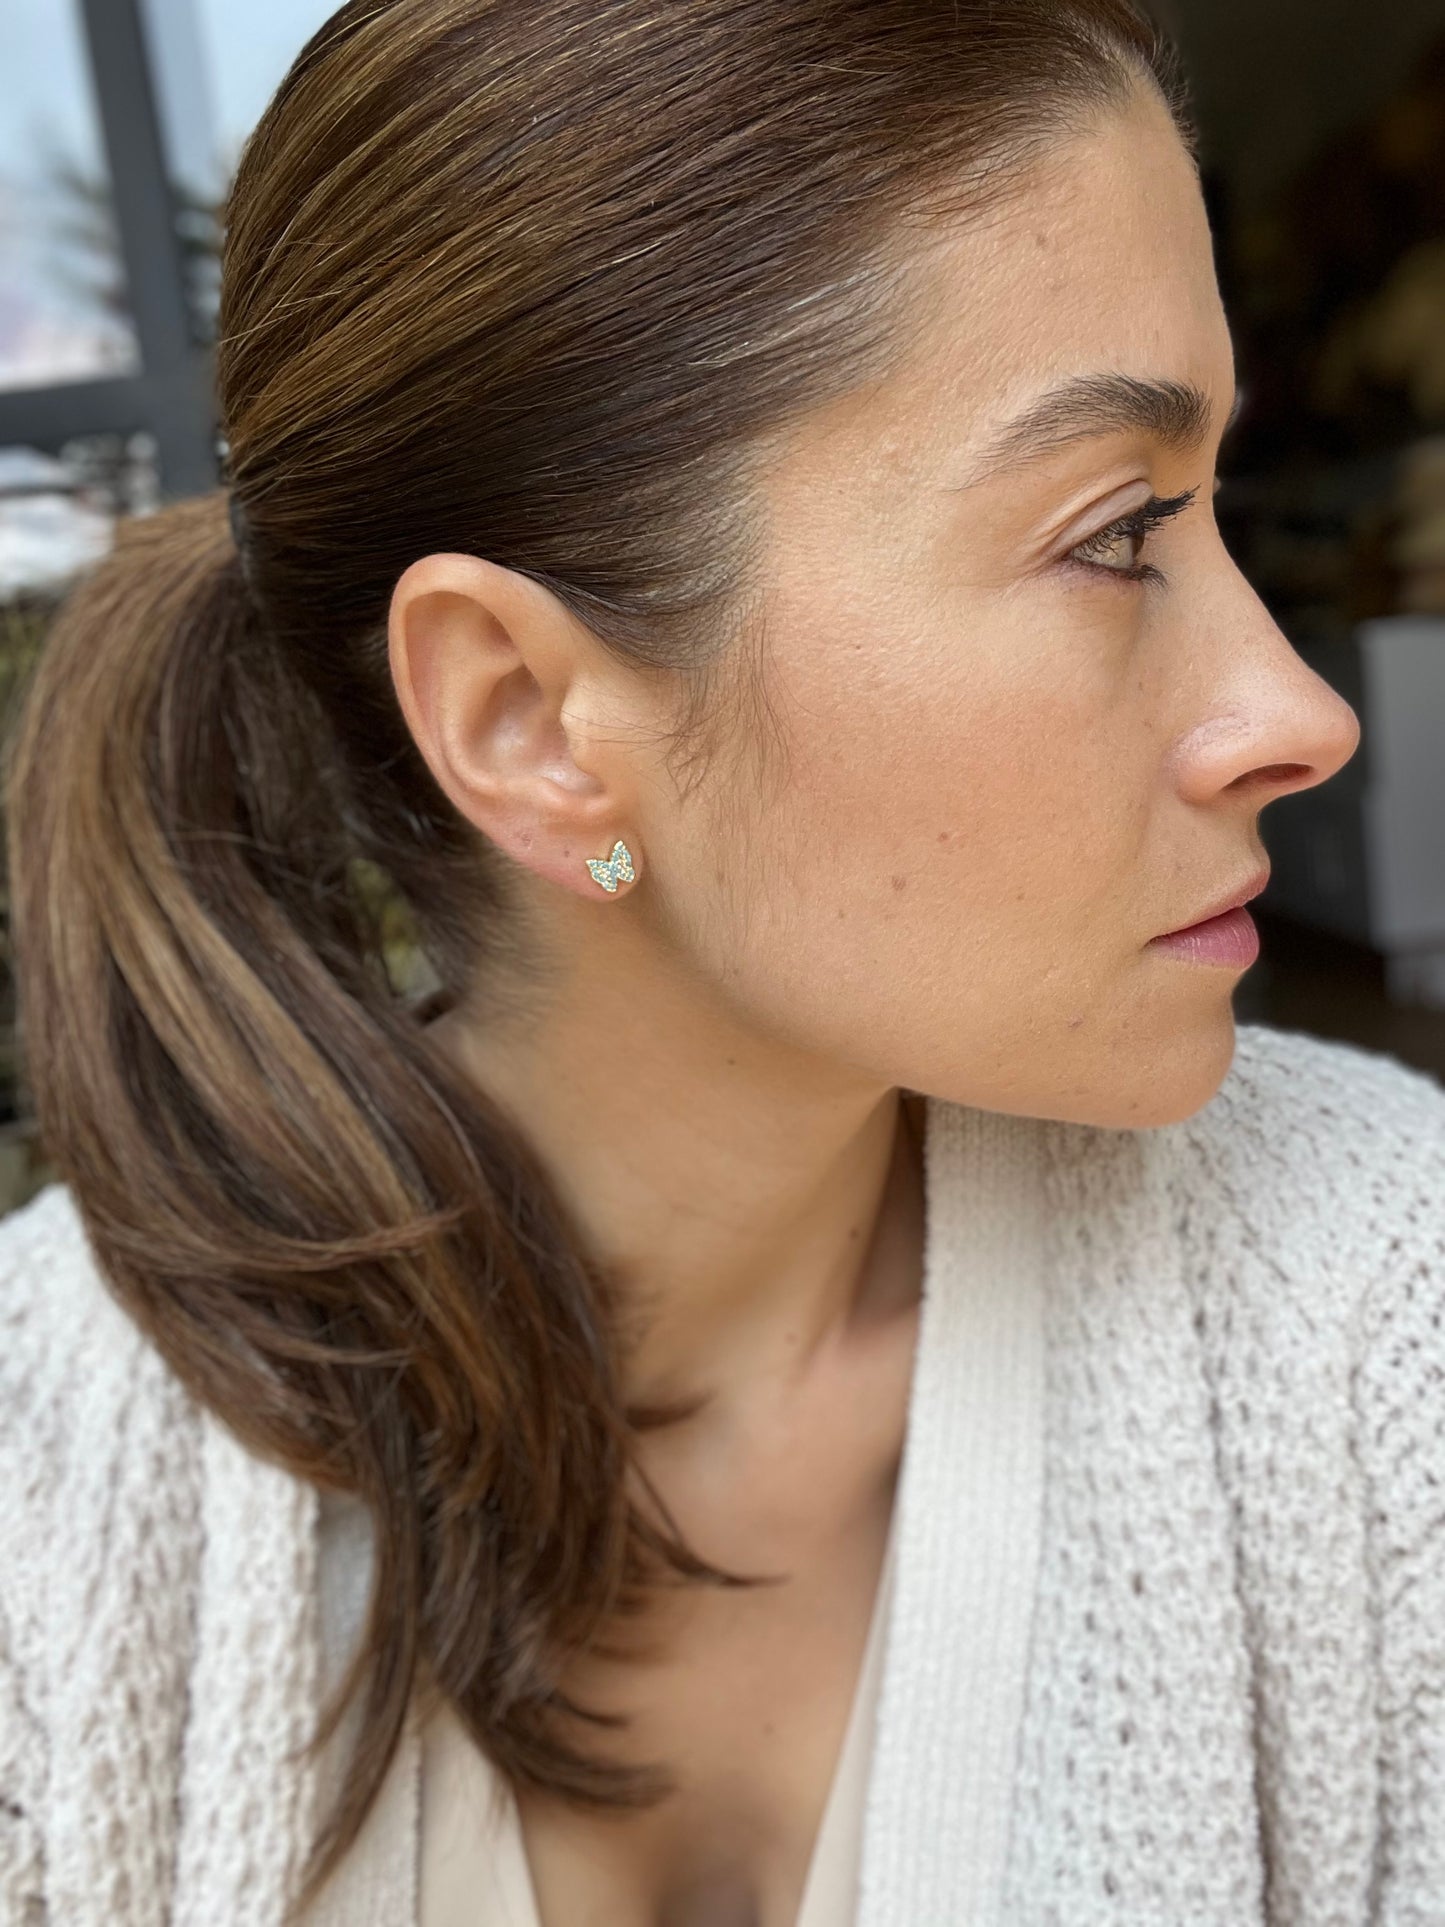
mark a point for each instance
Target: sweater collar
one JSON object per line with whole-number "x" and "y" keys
{"x": 940, "y": 1787}
{"x": 956, "y": 1641}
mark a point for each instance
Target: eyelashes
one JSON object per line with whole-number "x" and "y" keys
{"x": 1136, "y": 527}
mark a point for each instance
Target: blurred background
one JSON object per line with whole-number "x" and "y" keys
{"x": 1324, "y": 152}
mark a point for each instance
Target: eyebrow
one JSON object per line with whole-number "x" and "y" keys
{"x": 1176, "y": 413}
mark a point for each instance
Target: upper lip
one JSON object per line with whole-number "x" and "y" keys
{"x": 1232, "y": 902}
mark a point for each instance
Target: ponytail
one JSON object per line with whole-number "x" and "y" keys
{"x": 341, "y": 1248}
{"x": 477, "y": 294}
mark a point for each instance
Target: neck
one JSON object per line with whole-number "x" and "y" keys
{"x": 762, "y": 1212}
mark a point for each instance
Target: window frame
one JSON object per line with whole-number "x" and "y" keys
{"x": 171, "y": 396}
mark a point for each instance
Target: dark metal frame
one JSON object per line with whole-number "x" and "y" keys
{"x": 172, "y": 396}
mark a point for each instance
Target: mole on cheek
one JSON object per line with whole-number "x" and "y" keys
{"x": 899, "y": 883}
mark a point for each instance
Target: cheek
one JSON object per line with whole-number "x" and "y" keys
{"x": 952, "y": 864}
{"x": 981, "y": 785}
{"x": 940, "y": 884}
{"x": 960, "y": 827}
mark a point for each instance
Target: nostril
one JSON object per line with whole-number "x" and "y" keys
{"x": 1268, "y": 775}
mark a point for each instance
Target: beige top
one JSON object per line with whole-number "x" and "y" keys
{"x": 474, "y": 1870}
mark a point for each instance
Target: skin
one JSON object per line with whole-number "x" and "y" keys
{"x": 1007, "y": 771}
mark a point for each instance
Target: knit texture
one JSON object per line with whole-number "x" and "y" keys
{"x": 1179, "y": 1393}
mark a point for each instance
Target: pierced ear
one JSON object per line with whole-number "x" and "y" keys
{"x": 492, "y": 673}
{"x": 615, "y": 869}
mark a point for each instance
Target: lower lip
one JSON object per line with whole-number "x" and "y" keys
{"x": 1230, "y": 941}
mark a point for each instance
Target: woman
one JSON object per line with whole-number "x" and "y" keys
{"x": 812, "y": 1376}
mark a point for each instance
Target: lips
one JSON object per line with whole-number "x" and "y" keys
{"x": 1224, "y": 905}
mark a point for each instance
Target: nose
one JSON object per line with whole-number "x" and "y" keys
{"x": 1276, "y": 725}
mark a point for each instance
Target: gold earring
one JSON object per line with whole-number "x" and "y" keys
{"x": 616, "y": 867}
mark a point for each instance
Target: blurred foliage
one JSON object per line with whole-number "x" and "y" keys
{"x": 23, "y": 622}
{"x": 389, "y": 929}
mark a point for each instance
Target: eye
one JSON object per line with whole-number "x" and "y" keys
{"x": 1134, "y": 527}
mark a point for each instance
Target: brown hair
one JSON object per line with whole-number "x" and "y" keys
{"x": 531, "y": 279}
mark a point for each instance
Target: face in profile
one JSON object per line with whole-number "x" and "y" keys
{"x": 1011, "y": 761}
{"x": 1027, "y": 711}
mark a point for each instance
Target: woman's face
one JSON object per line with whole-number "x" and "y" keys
{"x": 1009, "y": 765}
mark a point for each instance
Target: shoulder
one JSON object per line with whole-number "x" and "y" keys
{"x": 1301, "y": 1210}
{"x": 52, "y": 1301}
{"x": 98, "y": 1440}
{"x": 156, "y": 1608}
{"x": 1321, "y": 1302}
{"x": 68, "y": 1349}
{"x": 1310, "y": 1202}
{"x": 1290, "y": 1096}
{"x": 1320, "y": 1164}
{"x": 1315, "y": 1170}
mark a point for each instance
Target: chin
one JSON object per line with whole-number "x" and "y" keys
{"x": 1143, "y": 1082}
{"x": 1175, "y": 1079}
{"x": 1139, "y": 1071}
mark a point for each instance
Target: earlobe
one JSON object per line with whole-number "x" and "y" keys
{"x": 615, "y": 869}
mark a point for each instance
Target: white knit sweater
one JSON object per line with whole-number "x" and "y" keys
{"x": 1168, "y": 1635}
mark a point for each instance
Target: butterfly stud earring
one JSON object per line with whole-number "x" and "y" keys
{"x": 613, "y": 869}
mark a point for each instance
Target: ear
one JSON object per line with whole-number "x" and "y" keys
{"x": 505, "y": 694}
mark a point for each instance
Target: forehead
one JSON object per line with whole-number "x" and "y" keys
{"x": 1102, "y": 260}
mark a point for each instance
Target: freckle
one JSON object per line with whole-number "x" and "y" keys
{"x": 717, "y": 876}
{"x": 943, "y": 835}
{"x": 840, "y": 913}
{"x": 899, "y": 883}
{"x": 730, "y": 1060}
